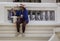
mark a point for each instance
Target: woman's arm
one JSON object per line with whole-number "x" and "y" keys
{"x": 13, "y": 11}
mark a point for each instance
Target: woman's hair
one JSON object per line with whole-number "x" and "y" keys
{"x": 22, "y": 7}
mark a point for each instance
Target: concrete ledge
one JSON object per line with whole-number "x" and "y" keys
{"x": 35, "y": 25}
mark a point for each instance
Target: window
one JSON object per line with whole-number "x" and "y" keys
{"x": 27, "y": 0}
{"x": 57, "y": 1}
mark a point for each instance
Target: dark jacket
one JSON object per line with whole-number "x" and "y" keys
{"x": 25, "y": 14}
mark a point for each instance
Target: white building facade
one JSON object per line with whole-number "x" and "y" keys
{"x": 45, "y": 27}
{"x": 43, "y": 1}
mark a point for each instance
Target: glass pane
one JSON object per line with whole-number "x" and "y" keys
{"x": 16, "y": 1}
{"x": 27, "y": 0}
{"x": 20, "y": 0}
{"x": 57, "y": 1}
{"x": 39, "y": 0}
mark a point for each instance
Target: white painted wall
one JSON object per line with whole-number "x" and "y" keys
{"x": 1, "y": 14}
{"x": 58, "y": 14}
{"x": 6, "y": 0}
{"x": 43, "y": 1}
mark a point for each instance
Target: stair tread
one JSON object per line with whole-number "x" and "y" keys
{"x": 32, "y": 32}
{"x": 26, "y": 27}
{"x": 25, "y": 38}
{"x": 26, "y": 35}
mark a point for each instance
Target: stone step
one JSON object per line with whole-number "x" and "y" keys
{"x": 58, "y": 34}
{"x": 27, "y": 28}
{"x": 27, "y": 32}
{"x": 23, "y": 40}
{"x": 26, "y": 35}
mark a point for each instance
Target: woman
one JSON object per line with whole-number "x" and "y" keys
{"x": 22, "y": 17}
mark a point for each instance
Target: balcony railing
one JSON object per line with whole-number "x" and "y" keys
{"x": 5, "y": 6}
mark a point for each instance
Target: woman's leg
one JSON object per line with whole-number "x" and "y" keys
{"x": 18, "y": 25}
{"x": 23, "y": 27}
